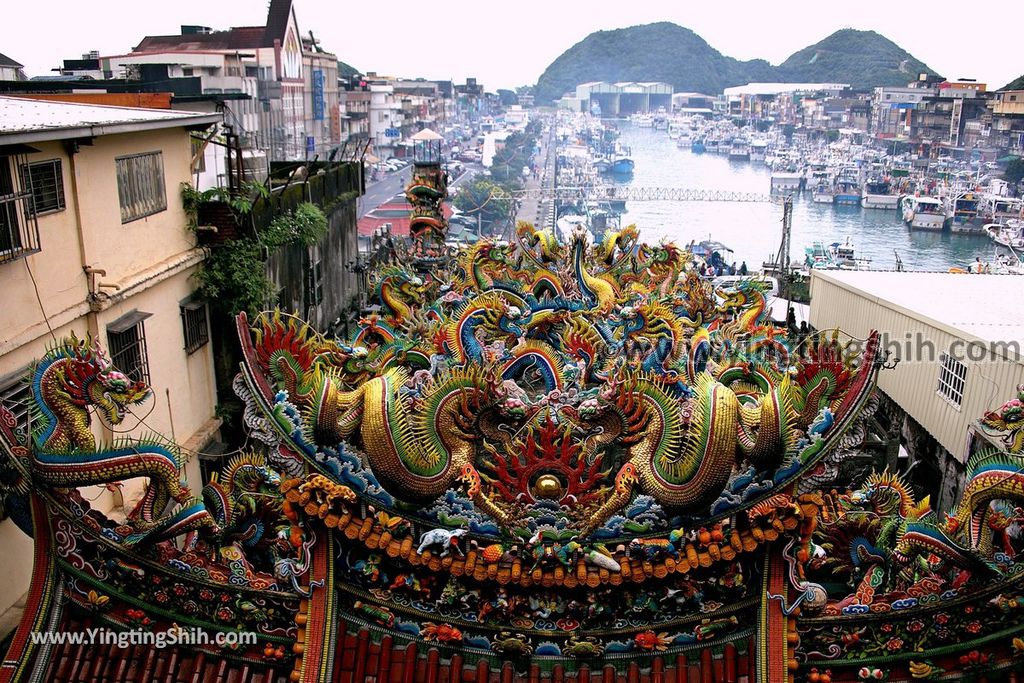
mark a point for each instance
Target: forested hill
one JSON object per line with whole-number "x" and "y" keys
{"x": 670, "y": 53}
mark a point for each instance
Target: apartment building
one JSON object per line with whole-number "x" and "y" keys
{"x": 94, "y": 241}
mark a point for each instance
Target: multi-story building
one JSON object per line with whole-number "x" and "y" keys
{"x": 354, "y": 114}
{"x": 88, "y": 67}
{"x": 1007, "y": 120}
{"x": 267, "y": 62}
{"x": 94, "y": 241}
{"x": 891, "y": 109}
{"x": 320, "y": 74}
{"x": 385, "y": 118}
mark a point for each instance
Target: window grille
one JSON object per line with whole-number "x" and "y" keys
{"x": 140, "y": 185}
{"x": 952, "y": 378}
{"x": 196, "y": 325}
{"x": 45, "y": 180}
{"x": 126, "y": 338}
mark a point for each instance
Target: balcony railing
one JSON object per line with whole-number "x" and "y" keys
{"x": 19, "y": 230}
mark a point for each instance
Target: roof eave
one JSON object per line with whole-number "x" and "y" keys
{"x": 73, "y": 132}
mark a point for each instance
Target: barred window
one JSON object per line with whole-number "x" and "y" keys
{"x": 16, "y": 396}
{"x": 196, "y": 325}
{"x": 45, "y": 180}
{"x": 126, "y": 338}
{"x": 952, "y": 378}
{"x": 140, "y": 185}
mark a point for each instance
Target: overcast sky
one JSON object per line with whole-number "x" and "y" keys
{"x": 510, "y": 43}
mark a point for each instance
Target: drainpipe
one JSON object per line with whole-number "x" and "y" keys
{"x": 91, "y": 320}
{"x": 92, "y": 323}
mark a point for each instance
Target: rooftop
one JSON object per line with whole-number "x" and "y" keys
{"x": 7, "y": 61}
{"x": 24, "y": 120}
{"x": 964, "y": 305}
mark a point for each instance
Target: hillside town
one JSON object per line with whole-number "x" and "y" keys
{"x": 313, "y": 374}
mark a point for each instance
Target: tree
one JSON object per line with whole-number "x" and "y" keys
{"x": 507, "y": 97}
{"x": 1014, "y": 171}
{"x": 487, "y": 200}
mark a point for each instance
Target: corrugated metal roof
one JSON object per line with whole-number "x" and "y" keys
{"x": 7, "y": 61}
{"x": 986, "y": 307}
{"x": 24, "y": 119}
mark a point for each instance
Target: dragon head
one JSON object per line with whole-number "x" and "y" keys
{"x": 111, "y": 391}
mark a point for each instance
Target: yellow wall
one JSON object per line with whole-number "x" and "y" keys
{"x": 153, "y": 260}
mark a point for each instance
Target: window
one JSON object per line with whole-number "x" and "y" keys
{"x": 952, "y": 378}
{"x": 140, "y": 185}
{"x": 19, "y": 231}
{"x": 234, "y": 71}
{"x": 187, "y": 71}
{"x": 16, "y": 396}
{"x": 252, "y": 72}
{"x": 45, "y": 180}
{"x": 126, "y": 338}
{"x": 196, "y": 325}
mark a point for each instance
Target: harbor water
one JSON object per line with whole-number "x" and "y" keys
{"x": 754, "y": 230}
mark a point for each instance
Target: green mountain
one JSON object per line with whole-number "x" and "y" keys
{"x": 651, "y": 52}
{"x": 864, "y": 59}
{"x": 670, "y": 53}
{"x": 1017, "y": 84}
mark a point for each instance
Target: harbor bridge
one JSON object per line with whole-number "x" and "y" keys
{"x": 641, "y": 194}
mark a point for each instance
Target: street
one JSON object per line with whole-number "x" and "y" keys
{"x": 381, "y": 191}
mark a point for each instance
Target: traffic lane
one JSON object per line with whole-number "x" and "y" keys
{"x": 393, "y": 185}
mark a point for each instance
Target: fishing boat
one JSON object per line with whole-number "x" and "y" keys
{"x": 642, "y": 120}
{"x": 739, "y": 150}
{"x": 834, "y": 256}
{"x": 924, "y": 213}
{"x": 846, "y": 187}
{"x": 758, "y": 150}
{"x": 962, "y": 212}
{"x": 878, "y": 194}
{"x": 820, "y": 182}
{"x": 697, "y": 146}
{"x": 1009, "y": 234}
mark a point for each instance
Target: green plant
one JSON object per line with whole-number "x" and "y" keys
{"x": 233, "y": 278}
{"x": 306, "y": 225}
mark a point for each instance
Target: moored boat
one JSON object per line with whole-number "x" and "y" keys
{"x": 924, "y": 213}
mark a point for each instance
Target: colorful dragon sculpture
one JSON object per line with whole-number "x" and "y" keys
{"x": 568, "y": 456}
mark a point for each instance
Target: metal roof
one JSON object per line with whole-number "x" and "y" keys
{"x": 24, "y": 120}
{"x": 984, "y": 307}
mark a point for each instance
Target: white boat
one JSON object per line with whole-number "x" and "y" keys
{"x": 739, "y": 150}
{"x": 834, "y": 256}
{"x": 785, "y": 180}
{"x": 1009, "y": 234}
{"x": 758, "y": 150}
{"x": 924, "y": 213}
{"x": 642, "y": 120}
{"x": 820, "y": 182}
{"x": 962, "y": 212}
{"x": 878, "y": 194}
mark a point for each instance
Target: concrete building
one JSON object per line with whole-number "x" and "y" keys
{"x": 88, "y": 67}
{"x": 320, "y": 99}
{"x": 891, "y": 109}
{"x": 10, "y": 70}
{"x": 385, "y": 119}
{"x": 960, "y": 356}
{"x": 273, "y": 57}
{"x": 94, "y": 240}
{"x": 622, "y": 99}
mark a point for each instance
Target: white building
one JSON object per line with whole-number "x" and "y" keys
{"x": 385, "y": 119}
{"x": 959, "y": 341}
